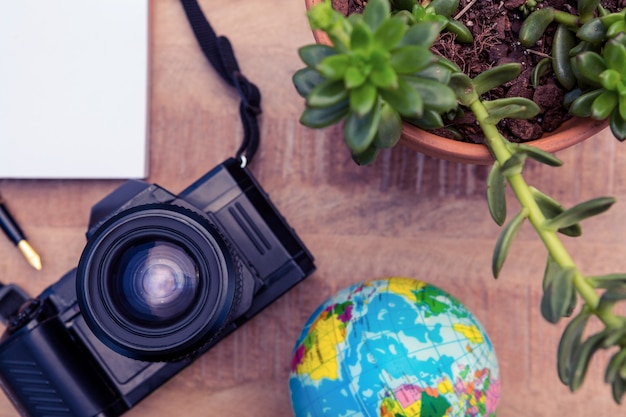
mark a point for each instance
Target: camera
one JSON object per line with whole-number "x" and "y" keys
{"x": 161, "y": 280}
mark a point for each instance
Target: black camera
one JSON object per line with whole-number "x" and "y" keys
{"x": 162, "y": 279}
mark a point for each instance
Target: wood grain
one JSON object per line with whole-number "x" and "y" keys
{"x": 406, "y": 215}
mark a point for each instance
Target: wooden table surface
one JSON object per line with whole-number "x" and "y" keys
{"x": 407, "y": 215}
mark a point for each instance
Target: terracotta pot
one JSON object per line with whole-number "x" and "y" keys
{"x": 569, "y": 133}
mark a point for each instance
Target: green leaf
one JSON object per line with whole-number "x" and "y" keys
{"x": 586, "y": 9}
{"x": 325, "y": 116}
{"x": 558, "y": 293}
{"x": 355, "y": 76}
{"x": 514, "y": 165}
{"x": 430, "y": 119}
{"x": 390, "y": 33}
{"x": 610, "y": 79}
{"x": 564, "y": 41}
{"x": 390, "y": 127}
{"x": 618, "y": 126}
{"x": 385, "y": 77}
{"x": 614, "y": 374}
{"x": 312, "y": 55}
{"x": 616, "y": 28}
{"x": 435, "y": 95}
{"x": 366, "y": 157}
{"x": 410, "y": 59}
{"x": 583, "y": 47}
{"x": 581, "y": 107}
{"x": 496, "y": 76}
{"x": 593, "y": 31}
{"x": 353, "y": 19}
{"x": 505, "y": 240}
{"x": 579, "y": 212}
{"x": 617, "y": 361}
{"x": 603, "y": 105}
{"x": 614, "y": 55}
{"x": 436, "y": 72}
{"x": 535, "y": 25}
{"x": 608, "y": 280}
{"x": 602, "y": 11}
{"x": 511, "y": 108}
{"x": 581, "y": 360}
{"x": 449, "y": 65}
{"x": 570, "y": 96}
{"x": 444, "y": 7}
{"x": 496, "y": 196}
{"x": 589, "y": 65}
{"x": 375, "y": 12}
{"x": 617, "y": 389}
{"x": 570, "y": 344}
{"x": 537, "y": 154}
{"x": 421, "y": 34}
{"x": 405, "y": 99}
{"x": 461, "y": 31}
{"x": 305, "y": 80}
{"x": 359, "y": 131}
{"x": 621, "y": 106}
{"x": 361, "y": 37}
{"x": 551, "y": 270}
{"x": 551, "y": 208}
{"x": 334, "y": 67}
{"x": 363, "y": 98}
{"x": 463, "y": 88}
{"x": 613, "y": 294}
{"x": 327, "y": 93}
{"x": 322, "y": 16}
{"x": 611, "y": 18}
{"x": 615, "y": 337}
{"x": 539, "y": 71}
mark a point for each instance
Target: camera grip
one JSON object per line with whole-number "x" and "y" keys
{"x": 44, "y": 372}
{"x": 252, "y": 222}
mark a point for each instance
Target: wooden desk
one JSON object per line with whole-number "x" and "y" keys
{"x": 406, "y": 215}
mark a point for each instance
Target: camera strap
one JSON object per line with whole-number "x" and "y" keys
{"x": 219, "y": 52}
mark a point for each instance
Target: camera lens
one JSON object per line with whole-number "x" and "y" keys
{"x": 157, "y": 282}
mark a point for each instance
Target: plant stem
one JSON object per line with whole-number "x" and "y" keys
{"x": 567, "y": 19}
{"x": 498, "y": 146}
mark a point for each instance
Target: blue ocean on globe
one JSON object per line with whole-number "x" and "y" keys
{"x": 394, "y": 347}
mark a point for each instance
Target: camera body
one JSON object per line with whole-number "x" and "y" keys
{"x": 162, "y": 279}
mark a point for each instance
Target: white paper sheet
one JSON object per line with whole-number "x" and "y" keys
{"x": 73, "y": 88}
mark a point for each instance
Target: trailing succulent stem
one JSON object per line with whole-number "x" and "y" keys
{"x": 381, "y": 71}
{"x": 563, "y": 282}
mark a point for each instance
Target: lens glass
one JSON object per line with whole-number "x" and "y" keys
{"x": 156, "y": 282}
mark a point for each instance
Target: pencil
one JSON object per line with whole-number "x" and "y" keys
{"x": 15, "y": 234}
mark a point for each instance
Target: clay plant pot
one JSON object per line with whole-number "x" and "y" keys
{"x": 571, "y": 132}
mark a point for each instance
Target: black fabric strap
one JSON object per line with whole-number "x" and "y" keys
{"x": 220, "y": 54}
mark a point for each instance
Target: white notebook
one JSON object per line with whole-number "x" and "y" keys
{"x": 73, "y": 88}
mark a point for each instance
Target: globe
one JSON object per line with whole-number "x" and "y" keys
{"x": 394, "y": 347}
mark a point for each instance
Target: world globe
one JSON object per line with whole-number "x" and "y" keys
{"x": 394, "y": 347}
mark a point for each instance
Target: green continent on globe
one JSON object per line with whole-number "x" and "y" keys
{"x": 394, "y": 347}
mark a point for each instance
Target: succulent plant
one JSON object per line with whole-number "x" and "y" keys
{"x": 379, "y": 71}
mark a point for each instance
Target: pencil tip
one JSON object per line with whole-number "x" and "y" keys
{"x": 30, "y": 254}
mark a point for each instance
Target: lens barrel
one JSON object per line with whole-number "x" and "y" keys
{"x": 156, "y": 282}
